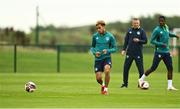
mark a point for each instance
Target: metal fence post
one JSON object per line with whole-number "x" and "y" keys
{"x": 15, "y": 58}
{"x": 58, "y": 58}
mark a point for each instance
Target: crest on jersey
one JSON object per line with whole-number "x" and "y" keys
{"x": 107, "y": 38}
{"x": 138, "y": 33}
{"x": 130, "y": 32}
{"x": 161, "y": 32}
{"x": 97, "y": 38}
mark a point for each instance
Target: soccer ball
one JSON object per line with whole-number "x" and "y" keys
{"x": 144, "y": 85}
{"x": 30, "y": 86}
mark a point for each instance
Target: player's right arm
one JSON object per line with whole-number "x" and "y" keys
{"x": 154, "y": 37}
{"x": 93, "y": 50}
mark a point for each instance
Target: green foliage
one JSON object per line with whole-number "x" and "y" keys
{"x": 149, "y": 22}
{"x": 11, "y": 36}
{"x": 81, "y": 35}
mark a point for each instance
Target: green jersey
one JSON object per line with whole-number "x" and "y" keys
{"x": 101, "y": 42}
{"x": 160, "y": 38}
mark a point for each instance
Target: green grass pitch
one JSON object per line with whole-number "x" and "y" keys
{"x": 77, "y": 90}
{"x": 75, "y": 86}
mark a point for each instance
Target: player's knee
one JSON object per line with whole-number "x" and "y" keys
{"x": 107, "y": 69}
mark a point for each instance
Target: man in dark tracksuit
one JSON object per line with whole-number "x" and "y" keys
{"x": 133, "y": 44}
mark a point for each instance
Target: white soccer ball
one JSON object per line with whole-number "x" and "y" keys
{"x": 30, "y": 86}
{"x": 145, "y": 85}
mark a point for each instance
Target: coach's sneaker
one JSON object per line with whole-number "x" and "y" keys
{"x": 172, "y": 88}
{"x": 124, "y": 86}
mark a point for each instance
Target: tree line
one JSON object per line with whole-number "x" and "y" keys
{"x": 53, "y": 35}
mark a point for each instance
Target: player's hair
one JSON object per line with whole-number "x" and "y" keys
{"x": 163, "y": 17}
{"x": 135, "y": 19}
{"x": 100, "y": 22}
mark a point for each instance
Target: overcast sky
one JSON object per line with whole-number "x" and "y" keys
{"x": 21, "y": 13}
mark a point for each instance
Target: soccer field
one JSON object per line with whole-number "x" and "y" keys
{"x": 80, "y": 90}
{"x": 75, "y": 86}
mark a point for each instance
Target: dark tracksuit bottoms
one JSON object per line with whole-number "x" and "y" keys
{"x": 127, "y": 64}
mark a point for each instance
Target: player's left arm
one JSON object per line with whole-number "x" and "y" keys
{"x": 173, "y": 35}
{"x": 93, "y": 50}
{"x": 113, "y": 46}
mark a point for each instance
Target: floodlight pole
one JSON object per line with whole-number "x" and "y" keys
{"x": 37, "y": 26}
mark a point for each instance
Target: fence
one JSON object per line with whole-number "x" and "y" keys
{"x": 61, "y": 58}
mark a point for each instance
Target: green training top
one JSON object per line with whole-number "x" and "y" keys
{"x": 101, "y": 42}
{"x": 160, "y": 38}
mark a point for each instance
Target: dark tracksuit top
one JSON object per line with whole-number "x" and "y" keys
{"x": 133, "y": 51}
{"x": 133, "y": 48}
